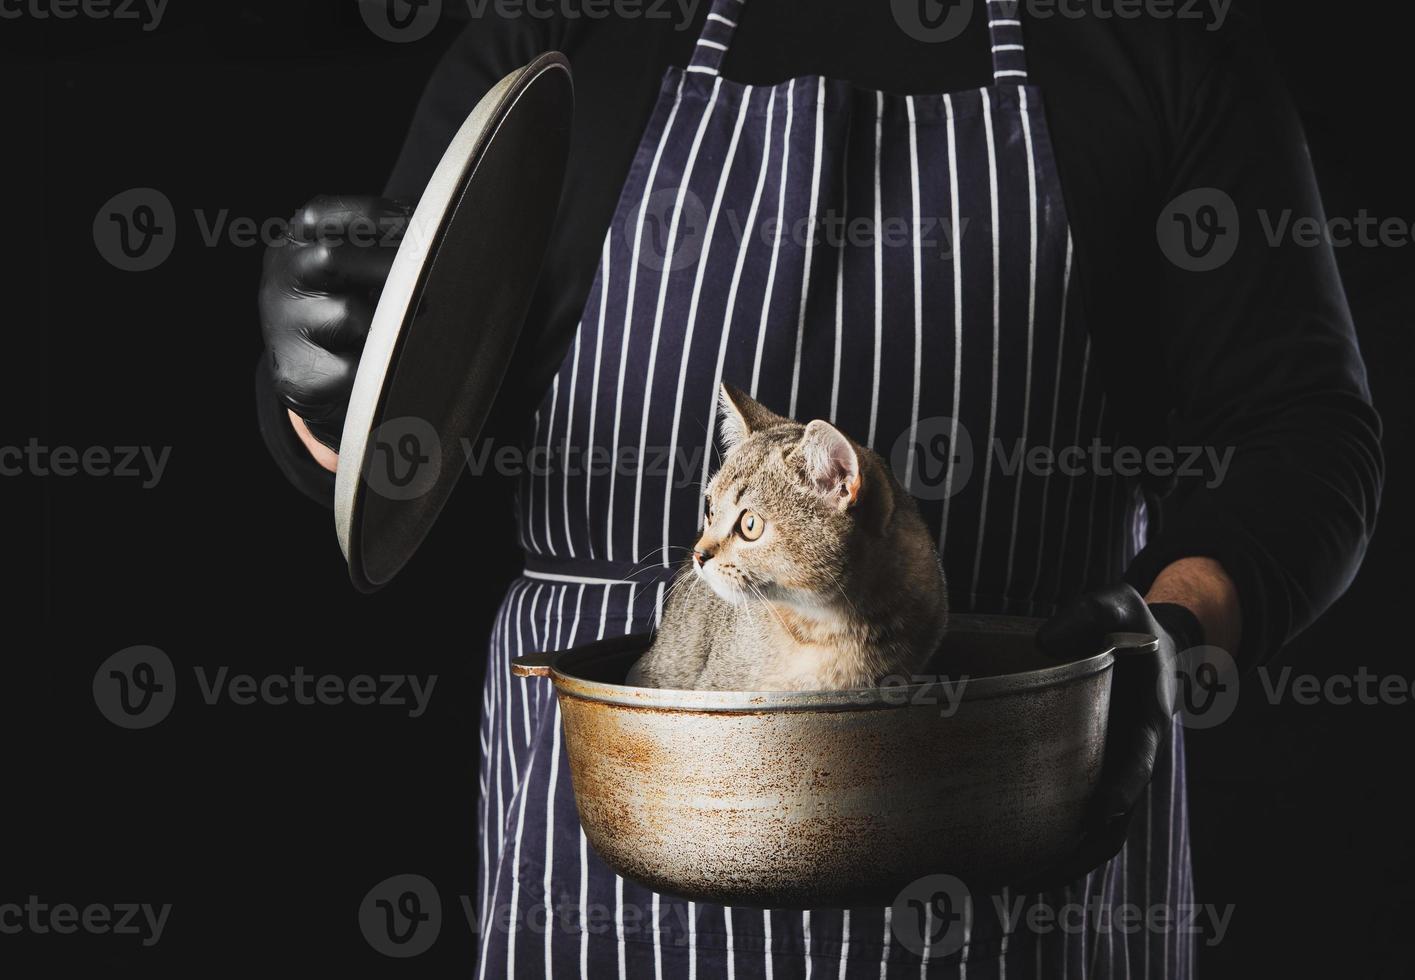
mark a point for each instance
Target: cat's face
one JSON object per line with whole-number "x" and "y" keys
{"x": 778, "y": 521}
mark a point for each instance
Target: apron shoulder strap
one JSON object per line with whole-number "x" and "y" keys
{"x": 1009, "y": 53}
{"x": 716, "y": 36}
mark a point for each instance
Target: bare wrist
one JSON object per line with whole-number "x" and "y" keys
{"x": 1203, "y": 587}
{"x": 322, "y": 454}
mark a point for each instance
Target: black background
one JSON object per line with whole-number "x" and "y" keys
{"x": 264, "y": 826}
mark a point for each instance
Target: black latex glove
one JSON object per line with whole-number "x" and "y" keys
{"x": 317, "y": 296}
{"x": 1143, "y": 690}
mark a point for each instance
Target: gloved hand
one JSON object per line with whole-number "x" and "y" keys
{"x": 318, "y": 291}
{"x": 1143, "y": 691}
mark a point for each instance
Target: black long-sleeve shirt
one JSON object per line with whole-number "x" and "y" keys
{"x": 1258, "y": 354}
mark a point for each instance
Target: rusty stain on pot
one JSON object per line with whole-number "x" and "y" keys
{"x": 819, "y": 800}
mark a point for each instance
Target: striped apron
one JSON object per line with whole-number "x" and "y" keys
{"x": 901, "y": 266}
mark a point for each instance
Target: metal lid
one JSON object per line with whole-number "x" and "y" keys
{"x": 449, "y": 317}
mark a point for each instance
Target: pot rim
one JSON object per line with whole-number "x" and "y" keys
{"x": 888, "y": 696}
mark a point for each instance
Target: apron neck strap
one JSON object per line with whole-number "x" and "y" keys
{"x": 1009, "y": 54}
{"x": 716, "y": 36}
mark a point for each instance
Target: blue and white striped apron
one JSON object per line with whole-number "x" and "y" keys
{"x": 957, "y": 317}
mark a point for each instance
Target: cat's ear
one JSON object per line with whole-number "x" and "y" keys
{"x": 741, "y": 416}
{"x": 832, "y": 464}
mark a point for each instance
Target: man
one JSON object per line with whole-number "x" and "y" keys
{"x": 1074, "y": 275}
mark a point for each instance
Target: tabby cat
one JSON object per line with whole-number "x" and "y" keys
{"x": 814, "y": 570}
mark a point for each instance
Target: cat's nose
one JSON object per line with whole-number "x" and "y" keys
{"x": 702, "y": 555}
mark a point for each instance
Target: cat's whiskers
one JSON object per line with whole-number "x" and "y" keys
{"x": 839, "y": 587}
{"x": 652, "y": 569}
{"x": 766, "y": 602}
{"x": 683, "y": 576}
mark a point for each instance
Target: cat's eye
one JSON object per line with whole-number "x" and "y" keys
{"x": 750, "y": 525}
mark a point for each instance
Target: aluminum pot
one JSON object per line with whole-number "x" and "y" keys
{"x": 837, "y": 798}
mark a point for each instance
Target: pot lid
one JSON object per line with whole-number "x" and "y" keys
{"x": 449, "y": 317}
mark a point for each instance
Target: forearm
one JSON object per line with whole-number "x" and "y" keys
{"x": 1203, "y": 587}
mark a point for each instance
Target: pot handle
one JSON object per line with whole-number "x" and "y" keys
{"x": 533, "y": 665}
{"x": 1124, "y": 644}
